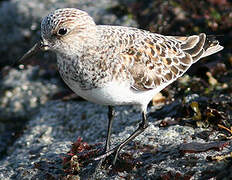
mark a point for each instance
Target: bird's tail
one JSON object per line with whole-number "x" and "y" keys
{"x": 199, "y": 46}
{"x": 211, "y": 46}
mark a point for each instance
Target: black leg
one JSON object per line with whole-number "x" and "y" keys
{"x": 111, "y": 114}
{"x": 142, "y": 126}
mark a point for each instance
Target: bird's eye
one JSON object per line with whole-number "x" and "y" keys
{"x": 62, "y": 31}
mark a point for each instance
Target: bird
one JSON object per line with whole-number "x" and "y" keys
{"x": 117, "y": 65}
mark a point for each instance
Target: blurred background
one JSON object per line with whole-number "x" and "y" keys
{"x": 25, "y": 88}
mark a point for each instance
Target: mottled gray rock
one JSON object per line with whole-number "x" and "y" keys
{"x": 22, "y": 91}
{"x": 20, "y": 22}
{"x": 50, "y": 133}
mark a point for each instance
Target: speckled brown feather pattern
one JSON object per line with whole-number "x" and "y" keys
{"x": 152, "y": 59}
{"x": 92, "y": 55}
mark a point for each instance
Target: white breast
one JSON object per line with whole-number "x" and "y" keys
{"x": 114, "y": 93}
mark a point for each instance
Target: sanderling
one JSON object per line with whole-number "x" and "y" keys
{"x": 116, "y": 65}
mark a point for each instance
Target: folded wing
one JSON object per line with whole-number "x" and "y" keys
{"x": 155, "y": 60}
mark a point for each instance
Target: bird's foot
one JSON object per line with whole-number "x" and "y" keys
{"x": 104, "y": 156}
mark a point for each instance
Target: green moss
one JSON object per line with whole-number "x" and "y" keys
{"x": 216, "y": 15}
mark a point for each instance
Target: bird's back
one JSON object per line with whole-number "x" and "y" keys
{"x": 154, "y": 60}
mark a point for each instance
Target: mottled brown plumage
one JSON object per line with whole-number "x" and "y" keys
{"x": 152, "y": 59}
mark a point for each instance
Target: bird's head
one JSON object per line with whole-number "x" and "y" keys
{"x": 64, "y": 30}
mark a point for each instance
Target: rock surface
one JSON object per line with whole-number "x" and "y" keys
{"x": 158, "y": 151}
{"x": 22, "y": 92}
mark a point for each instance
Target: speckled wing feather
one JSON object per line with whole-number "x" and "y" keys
{"x": 155, "y": 60}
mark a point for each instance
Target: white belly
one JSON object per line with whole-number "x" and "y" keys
{"x": 114, "y": 93}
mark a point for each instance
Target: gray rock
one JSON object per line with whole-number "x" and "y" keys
{"x": 50, "y": 133}
{"x": 22, "y": 92}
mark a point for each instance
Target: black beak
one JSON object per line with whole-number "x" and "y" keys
{"x": 40, "y": 46}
